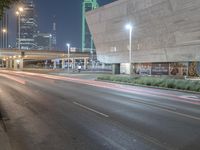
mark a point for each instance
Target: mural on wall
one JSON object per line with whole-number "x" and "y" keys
{"x": 194, "y": 69}
{"x": 160, "y": 69}
{"x": 178, "y": 69}
{"x": 143, "y": 69}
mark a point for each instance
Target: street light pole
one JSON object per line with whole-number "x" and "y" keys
{"x": 50, "y": 39}
{"x": 130, "y": 28}
{"x": 20, "y": 10}
{"x": 68, "y": 46}
{"x": 19, "y": 39}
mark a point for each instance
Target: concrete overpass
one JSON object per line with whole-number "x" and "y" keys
{"x": 14, "y": 58}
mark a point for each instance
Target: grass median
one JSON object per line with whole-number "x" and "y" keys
{"x": 164, "y": 82}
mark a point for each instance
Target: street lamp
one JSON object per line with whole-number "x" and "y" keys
{"x": 50, "y": 39}
{"x": 68, "y": 47}
{"x": 18, "y": 13}
{"x": 4, "y": 32}
{"x": 130, "y": 28}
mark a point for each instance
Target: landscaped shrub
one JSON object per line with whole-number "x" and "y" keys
{"x": 165, "y": 82}
{"x": 170, "y": 83}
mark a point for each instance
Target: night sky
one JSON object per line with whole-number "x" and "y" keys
{"x": 68, "y": 18}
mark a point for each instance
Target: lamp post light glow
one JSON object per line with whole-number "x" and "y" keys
{"x": 18, "y": 13}
{"x": 68, "y": 47}
{"x": 130, "y": 28}
{"x": 4, "y": 30}
{"x": 50, "y": 39}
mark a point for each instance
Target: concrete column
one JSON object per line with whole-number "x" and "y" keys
{"x": 7, "y": 64}
{"x": 85, "y": 64}
{"x": 11, "y": 64}
{"x": 63, "y": 64}
{"x": 73, "y": 64}
{"x": 54, "y": 64}
{"x": 15, "y": 64}
{"x": 21, "y": 64}
{"x": 116, "y": 69}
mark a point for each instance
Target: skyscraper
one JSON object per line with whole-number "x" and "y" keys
{"x": 43, "y": 41}
{"x": 4, "y": 31}
{"x": 27, "y": 27}
{"x": 54, "y": 42}
{"x": 87, "y": 40}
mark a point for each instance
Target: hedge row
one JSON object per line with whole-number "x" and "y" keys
{"x": 155, "y": 81}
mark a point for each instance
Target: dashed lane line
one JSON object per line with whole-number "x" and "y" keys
{"x": 90, "y": 109}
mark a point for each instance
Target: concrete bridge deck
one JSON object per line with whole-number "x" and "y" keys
{"x": 14, "y": 58}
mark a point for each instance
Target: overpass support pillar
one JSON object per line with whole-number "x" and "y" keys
{"x": 7, "y": 64}
{"x": 11, "y": 64}
{"x": 85, "y": 64}
{"x": 63, "y": 63}
{"x": 21, "y": 64}
{"x": 16, "y": 63}
{"x": 54, "y": 64}
{"x": 73, "y": 64}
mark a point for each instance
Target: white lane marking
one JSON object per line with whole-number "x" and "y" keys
{"x": 90, "y": 109}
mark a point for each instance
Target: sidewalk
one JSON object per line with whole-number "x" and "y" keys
{"x": 4, "y": 141}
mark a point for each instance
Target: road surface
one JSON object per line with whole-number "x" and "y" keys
{"x": 49, "y": 112}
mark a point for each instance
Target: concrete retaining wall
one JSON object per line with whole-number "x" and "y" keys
{"x": 164, "y": 31}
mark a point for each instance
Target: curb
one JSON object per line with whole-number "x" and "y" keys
{"x": 152, "y": 87}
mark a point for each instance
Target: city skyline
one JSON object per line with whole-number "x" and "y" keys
{"x": 68, "y": 25}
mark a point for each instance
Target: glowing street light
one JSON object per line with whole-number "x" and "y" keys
{"x": 130, "y": 28}
{"x": 4, "y": 30}
{"x": 21, "y": 9}
{"x": 68, "y": 47}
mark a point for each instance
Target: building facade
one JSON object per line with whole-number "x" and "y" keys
{"x": 165, "y": 37}
{"x": 27, "y": 27}
{"x": 43, "y": 41}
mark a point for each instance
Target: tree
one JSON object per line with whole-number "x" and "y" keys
{"x": 5, "y": 4}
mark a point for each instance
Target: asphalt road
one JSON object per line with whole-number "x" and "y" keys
{"x": 49, "y": 112}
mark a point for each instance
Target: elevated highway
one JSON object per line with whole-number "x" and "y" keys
{"x": 14, "y": 58}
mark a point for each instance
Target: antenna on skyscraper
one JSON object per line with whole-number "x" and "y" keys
{"x": 54, "y": 33}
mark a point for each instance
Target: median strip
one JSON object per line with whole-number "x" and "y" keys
{"x": 90, "y": 109}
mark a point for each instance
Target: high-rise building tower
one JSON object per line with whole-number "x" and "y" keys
{"x": 4, "y": 31}
{"x": 43, "y": 41}
{"x": 54, "y": 42}
{"x": 27, "y": 26}
{"x": 87, "y": 40}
